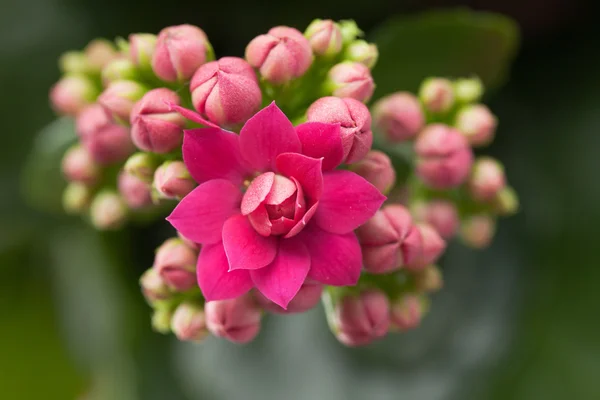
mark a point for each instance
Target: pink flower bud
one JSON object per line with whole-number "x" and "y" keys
{"x": 78, "y": 166}
{"x": 389, "y": 240}
{"x": 477, "y": 123}
{"x": 487, "y": 179}
{"x": 477, "y": 231}
{"x": 154, "y": 127}
{"x": 506, "y": 201}
{"x": 361, "y": 319}
{"x": 108, "y": 211}
{"x": 362, "y": 52}
{"x": 355, "y": 123}
{"x": 325, "y": 37}
{"x": 76, "y": 198}
{"x": 429, "y": 279}
{"x": 437, "y": 95}
{"x": 189, "y": 322}
{"x": 106, "y": 141}
{"x": 407, "y": 312}
{"x": 188, "y": 242}
{"x": 180, "y": 50}
{"x": 226, "y": 91}
{"x": 377, "y": 168}
{"x": 237, "y": 320}
{"x": 468, "y": 90}
{"x": 399, "y": 116}
{"x": 141, "y": 49}
{"x": 351, "y": 79}
{"x": 153, "y": 286}
{"x": 307, "y": 297}
{"x": 99, "y": 53}
{"x": 176, "y": 264}
{"x": 72, "y": 94}
{"x": 119, "y": 98}
{"x": 440, "y": 214}
{"x": 433, "y": 247}
{"x": 118, "y": 70}
{"x": 135, "y": 192}
{"x": 172, "y": 180}
{"x": 142, "y": 166}
{"x": 281, "y": 55}
{"x": 161, "y": 320}
{"x": 444, "y": 158}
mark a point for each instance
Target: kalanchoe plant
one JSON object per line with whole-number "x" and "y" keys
{"x": 274, "y": 174}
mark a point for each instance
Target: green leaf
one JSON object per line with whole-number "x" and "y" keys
{"x": 453, "y": 43}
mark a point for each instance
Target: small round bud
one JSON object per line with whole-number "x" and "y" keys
{"x": 429, "y": 279}
{"x": 468, "y": 90}
{"x": 355, "y": 124}
{"x": 119, "y": 70}
{"x": 362, "y": 52}
{"x": 437, "y": 95}
{"x": 135, "y": 192}
{"x": 119, "y": 98}
{"x": 237, "y": 320}
{"x": 477, "y": 123}
{"x": 444, "y": 158}
{"x": 76, "y": 198}
{"x": 281, "y": 55}
{"x": 180, "y": 50}
{"x": 72, "y": 94}
{"x": 141, "y": 49}
{"x": 487, "y": 179}
{"x": 361, "y": 319}
{"x": 142, "y": 166}
{"x": 433, "y": 247}
{"x": 99, "y": 53}
{"x": 377, "y": 168}
{"x": 108, "y": 211}
{"x": 175, "y": 262}
{"x": 351, "y": 79}
{"x": 161, "y": 320}
{"x": 189, "y": 323}
{"x": 399, "y": 116}
{"x": 74, "y": 63}
{"x": 442, "y": 215}
{"x": 506, "y": 201}
{"x": 477, "y": 231}
{"x": 78, "y": 166}
{"x": 172, "y": 180}
{"x": 307, "y": 298}
{"x": 407, "y": 312}
{"x": 325, "y": 37}
{"x": 350, "y": 31}
{"x": 153, "y": 286}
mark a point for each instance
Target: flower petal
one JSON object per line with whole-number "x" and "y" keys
{"x": 335, "y": 259}
{"x": 306, "y": 170}
{"x": 283, "y": 278}
{"x": 348, "y": 201}
{"x": 257, "y": 192}
{"x": 212, "y": 153}
{"x": 259, "y": 219}
{"x": 322, "y": 140}
{"x": 192, "y": 115}
{"x": 245, "y": 248}
{"x": 266, "y": 135}
{"x": 214, "y": 279}
{"x": 200, "y": 215}
{"x": 303, "y": 222}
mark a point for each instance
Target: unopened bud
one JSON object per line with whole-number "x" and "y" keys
{"x": 237, "y": 320}
{"x": 119, "y": 98}
{"x": 135, "y": 192}
{"x": 99, "y": 53}
{"x": 361, "y": 319}
{"x": 325, "y": 37}
{"x": 119, "y": 70}
{"x": 74, "y": 63}
{"x": 350, "y": 79}
{"x": 377, "y": 168}
{"x": 433, "y": 247}
{"x": 350, "y": 31}
{"x": 399, "y": 116}
{"x": 477, "y": 231}
{"x": 442, "y": 215}
{"x": 468, "y": 90}
{"x": 108, "y": 211}
{"x": 141, "y": 49}
{"x": 429, "y": 279}
{"x": 78, "y": 166}
{"x": 189, "y": 322}
{"x": 407, "y": 312}
{"x": 307, "y": 297}
{"x": 175, "y": 262}
{"x": 362, "y": 52}
{"x": 161, "y": 320}
{"x": 172, "y": 180}
{"x": 477, "y": 123}
{"x": 437, "y": 95}
{"x": 153, "y": 286}
{"x": 72, "y": 94}
{"x": 506, "y": 201}
{"x": 142, "y": 166}
{"x": 487, "y": 179}
{"x": 76, "y": 198}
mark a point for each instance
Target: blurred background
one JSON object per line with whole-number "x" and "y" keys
{"x": 520, "y": 320}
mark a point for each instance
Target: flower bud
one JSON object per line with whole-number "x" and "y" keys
{"x": 444, "y": 158}
{"x": 176, "y": 264}
{"x": 154, "y": 127}
{"x": 141, "y": 49}
{"x": 442, "y": 215}
{"x": 119, "y": 70}
{"x": 506, "y": 201}
{"x": 361, "y": 319}
{"x": 153, "y": 286}
{"x": 237, "y": 320}
{"x": 76, "y": 198}
{"x": 399, "y": 116}
{"x": 487, "y": 179}
{"x": 325, "y": 37}
{"x": 142, "y": 166}
{"x": 350, "y": 79}
{"x": 188, "y": 242}
{"x": 72, "y": 94}
{"x": 189, "y": 322}
{"x": 307, "y": 297}
{"x": 350, "y": 31}
{"x": 477, "y": 231}
{"x": 161, "y": 320}
{"x": 389, "y": 240}
{"x": 429, "y": 279}
{"x": 477, "y": 123}
{"x": 468, "y": 90}
{"x": 226, "y": 91}
{"x": 355, "y": 124}
{"x": 433, "y": 247}
{"x": 172, "y": 180}
{"x": 362, "y": 52}
{"x": 180, "y": 50}
{"x": 78, "y": 166}
{"x": 280, "y": 55}
{"x": 407, "y": 312}
{"x": 377, "y": 168}
{"x": 135, "y": 192}
{"x": 108, "y": 211}
{"x": 119, "y": 98}
{"x": 74, "y": 63}
{"x": 437, "y": 95}
{"x": 99, "y": 53}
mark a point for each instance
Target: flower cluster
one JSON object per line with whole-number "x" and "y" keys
{"x": 278, "y": 180}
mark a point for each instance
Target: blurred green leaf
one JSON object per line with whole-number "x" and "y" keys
{"x": 443, "y": 43}
{"x": 42, "y": 181}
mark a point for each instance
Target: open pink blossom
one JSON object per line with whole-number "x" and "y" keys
{"x": 268, "y": 215}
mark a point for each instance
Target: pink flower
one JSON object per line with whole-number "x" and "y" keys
{"x": 361, "y": 319}
{"x": 307, "y": 297}
{"x": 237, "y": 320}
{"x": 174, "y": 262}
{"x": 267, "y": 214}
{"x": 172, "y": 180}
{"x": 399, "y": 116}
{"x": 325, "y": 37}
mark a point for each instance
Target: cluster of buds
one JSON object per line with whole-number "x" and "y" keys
{"x": 283, "y": 206}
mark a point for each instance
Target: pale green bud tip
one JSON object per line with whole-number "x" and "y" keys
{"x": 362, "y": 52}
{"x": 161, "y": 320}
{"x": 437, "y": 95}
{"x": 350, "y": 31}
{"x": 76, "y": 198}
{"x": 142, "y": 166}
{"x": 468, "y": 90}
{"x": 108, "y": 211}
{"x": 74, "y": 62}
{"x": 117, "y": 70}
{"x": 506, "y": 202}
{"x": 325, "y": 37}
